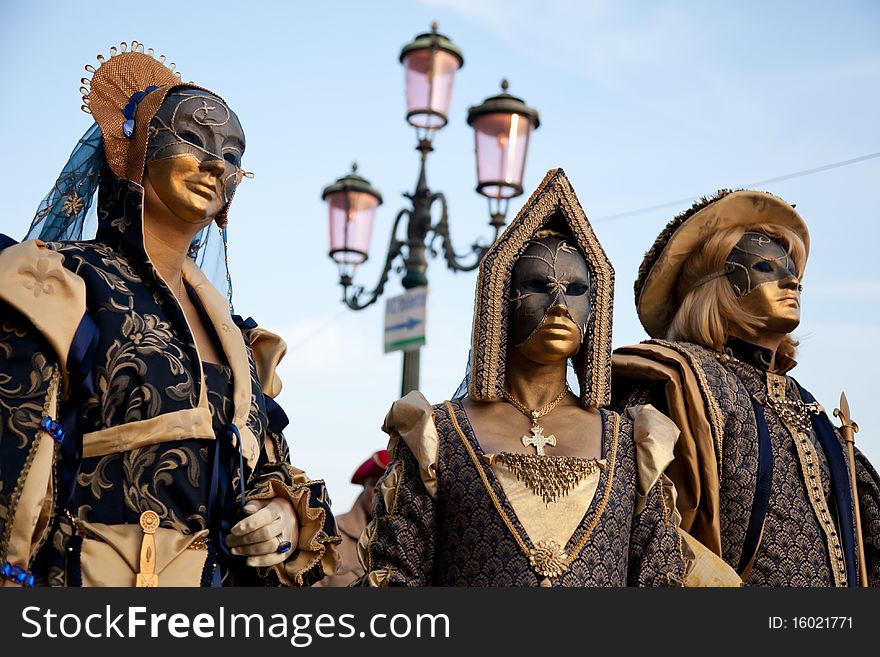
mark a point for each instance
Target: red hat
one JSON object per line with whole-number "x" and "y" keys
{"x": 372, "y": 467}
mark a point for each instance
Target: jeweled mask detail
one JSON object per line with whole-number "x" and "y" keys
{"x": 198, "y": 124}
{"x": 550, "y": 273}
{"x": 756, "y": 260}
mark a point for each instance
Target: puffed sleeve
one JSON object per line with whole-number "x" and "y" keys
{"x": 398, "y": 547}
{"x": 41, "y": 306}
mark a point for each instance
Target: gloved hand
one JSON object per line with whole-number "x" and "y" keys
{"x": 269, "y": 525}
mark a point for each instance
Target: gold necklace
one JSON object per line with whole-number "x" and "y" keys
{"x": 537, "y": 440}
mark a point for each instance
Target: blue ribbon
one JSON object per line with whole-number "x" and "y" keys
{"x": 129, "y": 110}
{"x": 80, "y": 359}
{"x": 221, "y": 515}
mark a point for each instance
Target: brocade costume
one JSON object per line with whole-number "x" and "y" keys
{"x": 468, "y": 531}
{"x": 720, "y": 400}
{"x": 448, "y": 514}
{"x": 763, "y": 477}
{"x": 124, "y": 459}
{"x": 149, "y": 426}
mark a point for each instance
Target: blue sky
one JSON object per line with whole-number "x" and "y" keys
{"x": 641, "y": 104}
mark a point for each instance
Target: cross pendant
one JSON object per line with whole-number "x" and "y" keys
{"x": 538, "y": 439}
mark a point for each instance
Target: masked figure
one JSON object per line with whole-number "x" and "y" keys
{"x": 523, "y": 482}
{"x": 140, "y": 443}
{"x": 763, "y": 478}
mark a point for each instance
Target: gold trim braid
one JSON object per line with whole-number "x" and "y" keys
{"x": 794, "y": 414}
{"x": 561, "y": 559}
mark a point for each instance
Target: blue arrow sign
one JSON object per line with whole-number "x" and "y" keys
{"x": 405, "y": 321}
{"x": 409, "y": 325}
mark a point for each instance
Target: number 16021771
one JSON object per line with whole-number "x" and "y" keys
{"x": 810, "y": 623}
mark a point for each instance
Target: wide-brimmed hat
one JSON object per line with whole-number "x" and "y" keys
{"x": 655, "y": 288}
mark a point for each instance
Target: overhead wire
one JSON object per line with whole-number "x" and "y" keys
{"x": 757, "y": 183}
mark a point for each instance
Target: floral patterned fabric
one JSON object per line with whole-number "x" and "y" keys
{"x": 145, "y": 366}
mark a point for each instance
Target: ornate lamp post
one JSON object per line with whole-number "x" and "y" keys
{"x": 502, "y": 125}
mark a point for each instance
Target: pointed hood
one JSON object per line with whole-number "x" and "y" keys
{"x": 554, "y": 201}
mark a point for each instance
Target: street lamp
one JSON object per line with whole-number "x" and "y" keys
{"x": 502, "y": 125}
{"x": 352, "y": 202}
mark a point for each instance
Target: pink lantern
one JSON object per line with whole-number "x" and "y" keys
{"x": 431, "y": 61}
{"x": 502, "y": 126}
{"x": 352, "y": 203}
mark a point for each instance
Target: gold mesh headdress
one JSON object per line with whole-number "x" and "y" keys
{"x": 110, "y": 90}
{"x": 553, "y": 200}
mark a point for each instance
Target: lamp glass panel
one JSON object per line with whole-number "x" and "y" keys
{"x": 429, "y": 87}
{"x": 502, "y": 140}
{"x": 351, "y": 225}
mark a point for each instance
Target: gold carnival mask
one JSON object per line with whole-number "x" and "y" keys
{"x": 758, "y": 259}
{"x": 764, "y": 278}
{"x": 549, "y": 300}
{"x": 194, "y": 154}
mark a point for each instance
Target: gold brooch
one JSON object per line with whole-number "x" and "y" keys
{"x": 549, "y": 559}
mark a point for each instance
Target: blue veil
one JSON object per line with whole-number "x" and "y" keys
{"x": 68, "y": 212}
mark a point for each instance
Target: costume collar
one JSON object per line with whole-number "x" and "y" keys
{"x": 756, "y": 356}
{"x": 120, "y": 216}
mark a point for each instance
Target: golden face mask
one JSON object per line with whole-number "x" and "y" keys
{"x": 764, "y": 278}
{"x": 197, "y": 125}
{"x": 757, "y": 260}
{"x": 550, "y": 274}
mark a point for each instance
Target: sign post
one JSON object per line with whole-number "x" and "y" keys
{"x": 405, "y": 320}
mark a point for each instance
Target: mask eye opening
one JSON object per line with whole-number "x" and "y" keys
{"x": 192, "y": 138}
{"x": 535, "y": 285}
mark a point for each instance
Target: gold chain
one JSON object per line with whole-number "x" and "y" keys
{"x": 534, "y": 415}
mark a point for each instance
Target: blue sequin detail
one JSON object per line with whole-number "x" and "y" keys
{"x": 16, "y": 574}
{"x": 129, "y": 110}
{"x": 53, "y": 428}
